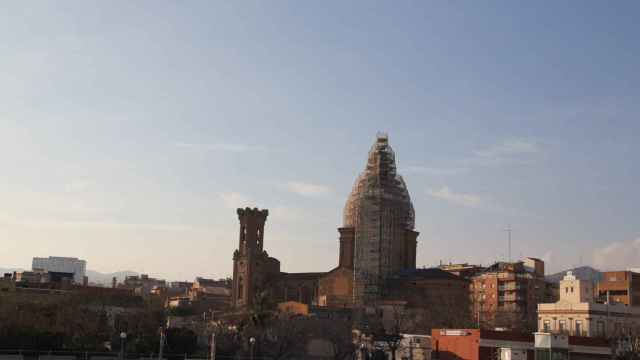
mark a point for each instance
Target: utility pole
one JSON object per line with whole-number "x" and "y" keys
{"x": 509, "y": 230}
{"x": 161, "y": 343}
{"x": 213, "y": 346}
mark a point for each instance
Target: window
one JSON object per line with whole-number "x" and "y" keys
{"x": 600, "y": 328}
{"x": 578, "y": 328}
{"x": 562, "y": 325}
{"x": 546, "y": 326}
{"x": 572, "y": 289}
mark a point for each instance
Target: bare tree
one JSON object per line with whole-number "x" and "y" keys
{"x": 625, "y": 347}
{"x": 337, "y": 332}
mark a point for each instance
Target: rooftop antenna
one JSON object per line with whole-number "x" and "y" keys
{"x": 509, "y": 230}
{"x": 580, "y": 263}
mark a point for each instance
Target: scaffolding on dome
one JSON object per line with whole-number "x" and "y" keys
{"x": 380, "y": 210}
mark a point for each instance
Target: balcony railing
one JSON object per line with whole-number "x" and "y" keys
{"x": 567, "y": 332}
{"x": 511, "y": 287}
{"x": 512, "y": 298}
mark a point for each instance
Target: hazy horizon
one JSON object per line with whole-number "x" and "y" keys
{"x": 131, "y": 131}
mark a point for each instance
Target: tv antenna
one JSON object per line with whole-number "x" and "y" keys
{"x": 508, "y": 229}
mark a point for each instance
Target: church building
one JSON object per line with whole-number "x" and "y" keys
{"x": 377, "y": 242}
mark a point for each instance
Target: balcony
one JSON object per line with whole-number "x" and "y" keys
{"x": 512, "y": 298}
{"x": 511, "y": 287}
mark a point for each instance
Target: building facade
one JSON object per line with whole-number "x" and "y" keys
{"x": 143, "y": 285}
{"x": 619, "y": 287}
{"x": 577, "y": 313}
{"x": 443, "y": 297}
{"x": 474, "y": 344}
{"x": 377, "y": 240}
{"x": 254, "y": 271}
{"x": 62, "y": 264}
{"x": 506, "y": 294}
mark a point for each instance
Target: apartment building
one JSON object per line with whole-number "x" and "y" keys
{"x": 506, "y": 294}
{"x": 619, "y": 287}
{"x": 71, "y": 265}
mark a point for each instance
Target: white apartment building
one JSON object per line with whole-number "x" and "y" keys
{"x": 576, "y": 313}
{"x": 62, "y": 264}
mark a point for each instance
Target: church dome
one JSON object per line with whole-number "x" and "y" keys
{"x": 380, "y": 181}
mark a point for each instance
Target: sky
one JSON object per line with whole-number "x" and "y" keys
{"x": 131, "y": 131}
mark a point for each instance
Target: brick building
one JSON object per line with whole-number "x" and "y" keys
{"x": 335, "y": 289}
{"x": 443, "y": 296}
{"x": 474, "y": 344}
{"x": 144, "y": 285}
{"x": 255, "y": 271}
{"x": 377, "y": 251}
{"x": 377, "y": 240}
{"x": 619, "y": 287}
{"x": 506, "y": 294}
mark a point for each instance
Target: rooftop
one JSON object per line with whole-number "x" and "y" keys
{"x": 430, "y": 273}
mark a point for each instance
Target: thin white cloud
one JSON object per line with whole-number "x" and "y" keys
{"x": 508, "y": 149}
{"x": 514, "y": 150}
{"x": 225, "y": 147}
{"x": 283, "y": 214}
{"x": 234, "y": 200}
{"x": 419, "y": 169}
{"x": 50, "y": 223}
{"x": 444, "y": 193}
{"x": 308, "y": 189}
{"x": 78, "y": 185}
{"x": 618, "y": 256}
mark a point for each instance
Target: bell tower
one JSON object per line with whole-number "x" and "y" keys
{"x": 248, "y": 258}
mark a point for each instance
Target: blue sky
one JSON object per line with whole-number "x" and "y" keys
{"x": 130, "y": 131}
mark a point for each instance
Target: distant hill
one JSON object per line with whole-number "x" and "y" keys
{"x": 582, "y": 273}
{"x": 105, "y": 278}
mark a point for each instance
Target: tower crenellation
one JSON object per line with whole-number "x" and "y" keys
{"x": 251, "y": 264}
{"x": 251, "y": 235}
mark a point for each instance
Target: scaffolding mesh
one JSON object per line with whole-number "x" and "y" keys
{"x": 380, "y": 210}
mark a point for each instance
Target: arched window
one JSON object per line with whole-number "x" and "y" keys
{"x": 259, "y": 238}
{"x": 240, "y": 288}
{"x": 243, "y": 236}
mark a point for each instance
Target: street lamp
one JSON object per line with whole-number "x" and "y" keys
{"x": 123, "y": 338}
{"x": 252, "y": 342}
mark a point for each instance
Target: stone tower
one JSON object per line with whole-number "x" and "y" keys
{"x": 253, "y": 269}
{"x": 379, "y": 216}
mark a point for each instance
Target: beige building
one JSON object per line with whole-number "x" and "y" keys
{"x": 577, "y": 313}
